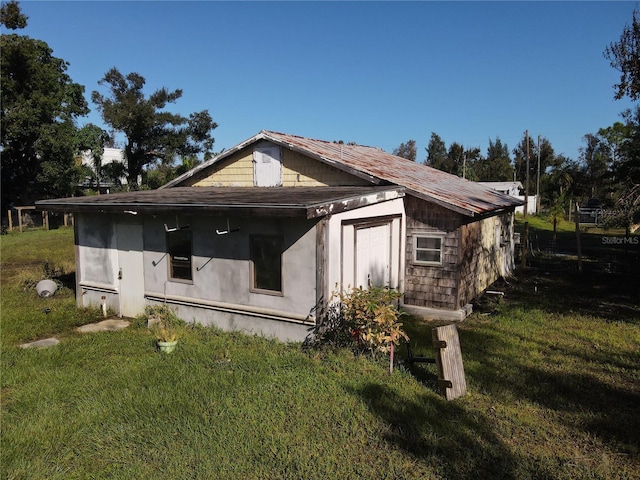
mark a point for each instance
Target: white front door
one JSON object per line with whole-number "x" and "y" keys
{"x": 267, "y": 166}
{"x": 373, "y": 256}
{"x": 130, "y": 269}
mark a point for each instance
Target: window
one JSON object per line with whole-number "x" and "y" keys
{"x": 179, "y": 249}
{"x": 427, "y": 249}
{"x": 266, "y": 263}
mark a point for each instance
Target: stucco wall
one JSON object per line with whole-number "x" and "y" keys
{"x": 220, "y": 292}
{"x": 221, "y": 266}
{"x": 96, "y": 261}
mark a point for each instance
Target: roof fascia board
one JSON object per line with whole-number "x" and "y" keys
{"x": 352, "y": 203}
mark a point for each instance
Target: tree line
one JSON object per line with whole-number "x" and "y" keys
{"x": 42, "y": 144}
{"x": 608, "y": 166}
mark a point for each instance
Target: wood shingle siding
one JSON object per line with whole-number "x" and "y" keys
{"x": 432, "y": 286}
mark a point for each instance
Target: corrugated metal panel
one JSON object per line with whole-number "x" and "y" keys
{"x": 428, "y": 183}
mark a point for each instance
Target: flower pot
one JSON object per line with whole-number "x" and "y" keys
{"x": 167, "y": 347}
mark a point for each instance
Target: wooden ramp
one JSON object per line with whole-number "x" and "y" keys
{"x": 451, "y": 379}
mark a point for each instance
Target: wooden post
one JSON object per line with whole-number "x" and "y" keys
{"x": 19, "y": 219}
{"x": 451, "y": 380}
{"x": 578, "y": 241}
{"x": 45, "y": 220}
{"x": 525, "y": 243}
{"x": 10, "y": 216}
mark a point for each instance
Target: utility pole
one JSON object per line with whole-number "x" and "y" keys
{"x": 538, "y": 180}
{"x": 464, "y": 166}
{"x": 525, "y": 244}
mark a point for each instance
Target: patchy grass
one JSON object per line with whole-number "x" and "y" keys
{"x": 552, "y": 372}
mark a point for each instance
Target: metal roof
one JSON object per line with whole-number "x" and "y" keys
{"x": 379, "y": 167}
{"x": 306, "y": 202}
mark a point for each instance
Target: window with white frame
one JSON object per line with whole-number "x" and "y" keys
{"x": 428, "y": 248}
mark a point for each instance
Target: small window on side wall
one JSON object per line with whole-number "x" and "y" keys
{"x": 427, "y": 249}
{"x": 266, "y": 263}
{"x": 179, "y": 250}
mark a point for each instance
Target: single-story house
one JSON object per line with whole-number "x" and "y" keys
{"x": 258, "y": 238}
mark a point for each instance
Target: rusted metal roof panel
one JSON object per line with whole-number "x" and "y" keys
{"x": 425, "y": 182}
{"x": 308, "y": 202}
{"x": 379, "y": 167}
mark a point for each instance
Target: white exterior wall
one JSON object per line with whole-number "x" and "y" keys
{"x": 109, "y": 155}
{"x": 532, "y": 200}
{"x": 98, "y": 264}
{"x": 340, "y": 249}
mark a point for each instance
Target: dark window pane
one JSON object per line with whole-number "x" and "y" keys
{"x": 429, "y": 242}
{"x": 428, "y": 256}
{"x": 179, "y": 247}
{"x": 266, "y": 256}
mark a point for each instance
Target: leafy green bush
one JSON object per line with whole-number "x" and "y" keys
{"x": 364, "y": 319}
{"x": 163, "y": 321}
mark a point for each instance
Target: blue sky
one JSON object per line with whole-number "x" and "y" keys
{"x": 375, "y": 73}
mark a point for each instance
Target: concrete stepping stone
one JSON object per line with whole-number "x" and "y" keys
{"x": 109, "y": 325}
{"x": 46, "y": 342}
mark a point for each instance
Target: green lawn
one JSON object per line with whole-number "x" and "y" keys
{"x": 553, "y": 374}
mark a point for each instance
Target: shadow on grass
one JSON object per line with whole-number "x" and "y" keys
{"x": 442, "y": 434}
{"x": 554, "y": 284}
{"x": 67, "y": 280}
{"x": 601, "y": 409}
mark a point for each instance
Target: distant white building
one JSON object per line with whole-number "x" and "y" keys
{"x": 508, "y": 188}
{"x": 110, "y": 155}
{"x": 513, "y": 189}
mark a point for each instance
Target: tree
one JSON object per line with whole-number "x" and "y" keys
{"x": 540, "y": 151}
{"x": 436, "y": 152}
{"x": 624, "y": 56}
{"x": 455, "y": 159}
{"x": 407, "y": 150}
{"x": 496, "y": 167}
{"x": 11, "y": 16}
{"x": 152, "y": 134}
{"x": 595, "y": 157}
{"x": 92, "y": 139}
{"x": 40, "y": 103}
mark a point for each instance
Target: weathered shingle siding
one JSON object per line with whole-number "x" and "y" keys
{"x": 485, "y": 258}
{"x": 432, "y": 286}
